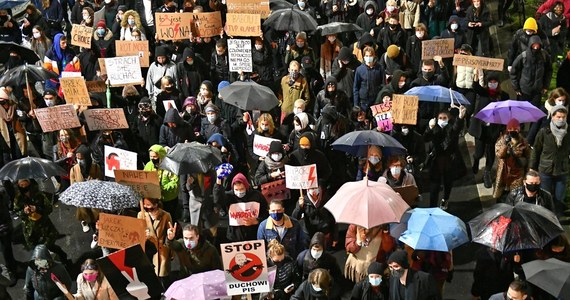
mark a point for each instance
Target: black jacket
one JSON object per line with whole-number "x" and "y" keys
{"x": 147, "y": 132}
{"x": 287, "y": 273}
{"x": 543, "y": 198}
{"x": 493, "y": 274}
{"x": 547, "y": 157}
{"x": 531, "y": 73}
{"x": 478, "y": 128}
{"x": 419, "y": 286}
{"x": 363, "y": 291}
{"x": 170, "y": 136}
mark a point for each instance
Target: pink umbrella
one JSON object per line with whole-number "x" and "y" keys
{"x": 202, "y": 286}
{"x": 367, "y": 203}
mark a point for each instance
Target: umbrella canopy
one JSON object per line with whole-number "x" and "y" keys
{"x": 434, "y": 229}
{"x": 437, "y": 93}
{"x": 366, "y": 203}
{"x": 9, "y": 4}
{"x": 551, "y": 275}
{"x": 17, "y": 76}
{"x": 31, "y": 168}
{"x": 290, "y": 19}
{"x": 501, "y": 112}
{"x": 249, "y": 96}
{"x": 28, "y": 55}
{"x": 279, "y": 4}
{"x": 357, "y": 143}
{"x": 338, "y": 27}
{"x": 187, "y": 158}
{"x": 510, "y": 228}
{"x": 106, "y": 195}
{"x": 201, "y": 286}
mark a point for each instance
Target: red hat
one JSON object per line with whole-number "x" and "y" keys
{"x": 101, "y": 23}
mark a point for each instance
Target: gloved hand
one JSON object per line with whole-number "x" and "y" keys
{"x": 224, "y": 170}
{"x": 432, "y": 123}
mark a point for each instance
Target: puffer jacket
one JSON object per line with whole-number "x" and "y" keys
{"x": 464, "y": 77}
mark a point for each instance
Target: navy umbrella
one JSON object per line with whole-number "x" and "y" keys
{"x": 358, "y": 142}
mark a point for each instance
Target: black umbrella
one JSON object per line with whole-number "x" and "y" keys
{"x": 279, "y": 4}
{"x": 249, "y": 96}
{"x": 551, "y": 275}
{"x": 9, "y": 4}
{"x": 194, "y": 157}
{"x": 31, "y": 167}
{"x": 30, "y": 73}
{"x": 338, "y": 27}
{"x": 358, "y": 142}
{"x": 28, "y": 55}
{"x": 291, "y": 20}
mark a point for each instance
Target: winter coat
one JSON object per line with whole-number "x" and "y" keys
{"x": 262, "y": 64}
{"x": 77, "y": 11}
{"x": 328, "y": 53}
{"x": 345, "y": 78}
{"x": 459, "y": 35}
{"x": 493, "y": 274}
{"x": 387, "y": 37}
{"x": 189, "y": 76}
{"x": 291, "y": 91}
{"x": 54, "y": 17}
{"x": 306, "y": 292}
{"x": 219, "y": 67}
{"x": 103, "y": 290}
{"x": 287, "y": 273}
{"x": 157, "y": 236}
{"x": 40, "y": 286}
{"x": 445, "y": 145}
{"x": 105, "y": 46}
{"x": 155, "y": 73}
{"x": 368, "y": 81}
{"x": 339, "y": 100}
{"x": 219, "y": 126}
{"x": 549, "y": 5}
{"x": 512, "y": 164}
{"x": 296, "y": 53}
{"x": 365, "y": 21}
{"x": 411, "y": 11}
{"x": 414, "y": 52}
{"x": 294, "y": 238}
{"x": 520, "y": 43}
{"x": 479, "y": 34}
{"x": 147, "y": 132}
{"x": 168, "y": 182}
{"x": 140, "y": 9}
{"x": 477, "y": 128}
{"x": 170, "y": 136}
{"x": 419, "y": 286}
{"x": 204, "y": 257}
{"x": 543, "y": 198}
{"x": 38, "y": 230}
{"x": 164, "y": 96}
{"x": 363, "y": 291}
{"x": 306, "y": 263}
{"x": 547, "y": 157}
{"x": 302, "y": 157}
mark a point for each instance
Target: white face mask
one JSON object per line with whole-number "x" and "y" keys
{"x": 239, "y": 194}
{"x": 107, "y": 1}
{"x": 316, "y": 254}
{"x": 420, "y": 34}
{"x": 476, "y": 5}
{"x": 395, "y": 171}
{"x": 401, "y": 84}
{"x": 405, "y": 131}
{"x": 560, "y": 102}
{"x": 374, "y": 160}
{"x": 368, "y": 59}
{"x": 317, "y": 289}
{"x": 298, "y": 127}
{"x": 297, "y": 110}
{"x": 49, "y": 103}
{"x": 332, "y": 39}
{"x": 369, "y": 11}
{"x": 37, "y": 35}
{"x": 442, "y": 123}
{"x": 390, "y": 8}
{"x": 276, "y": 156}
{"x": 86, "y": 17}
{"x": 454, "y": 26}
{"x": 258, "y": 46}
{"x": 493, "y": 85}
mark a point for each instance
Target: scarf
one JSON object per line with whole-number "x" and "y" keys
{"x": 558, "y": 133}
{"x": 7, "y": 115}
{"x": 274, "y": 165}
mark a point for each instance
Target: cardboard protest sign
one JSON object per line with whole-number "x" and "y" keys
{"x": 119, "y": 232}
{"x": 124, "y": 70}
{"x": 409, "y": 194}
{"x": 173, "y": 26}
{"x": 207, "y": 24}
{"x": 383, "y": 115}
{"x": 75, "y": 90}
{"x": 246, "y": 267}
{"x": 81, "y": 36}
{"x": 258, "y": 7}
{"x": 239, "y": 55}
{"x": 134, "y": 48}
{"x": 57, "y": 117}
{"x": 102, "y": 66}
{"x": 97, "y": 86}
{"x": 119, "y": 159}
{"x": 105, "y": 119}
{"x": 302, "y": 177}
{"x": 144, "y": 182}
{"x": 440, "y": 47}
{"x": 67, "y": 74}
{"x": 129, "y": 271}
{"x": 261, "y": 145}
{"x": 275, "y": 190}
{"x": 243, "y": 25}
{"x": 478, "y": 62}
{"x": 239, "y": 212}
{"x": 405, "y": 109}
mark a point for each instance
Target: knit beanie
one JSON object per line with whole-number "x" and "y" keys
{"x": 400, "y": 257}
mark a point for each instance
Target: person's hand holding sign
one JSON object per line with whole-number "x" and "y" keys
{"x": 171, "y": 232}
{"x": 135, "y": 287}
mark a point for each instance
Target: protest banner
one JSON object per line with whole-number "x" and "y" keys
{"x": 243, "y": 25}
{"x": 119, "y": 232}
{"x": 81, "y": 36}
{"x": 118, "y": 159}
{"x": 75, "y": 90}
{"x": 134, "y": 48}
{"x": 245, "y": 264}
{"x": 173, "y": 26}
{"x": 440, "y": 47}
{"x": 239, "y": 212}
{"x": 301, "y": 177}
{"x": 124, "y": 70}
{"x": 275, "y": 190}
{"x": 409, "y": 194}
{"x": 97, "y": 86}
{"x": 143, "y": 182}
{"x": 168, "y": 104}
{"x": 207, "y": 24}
{"x": 102, "y": 66}
{"x": 261, "y": 145}
{"x": 405, "y": 109}
{"x": 258, "y": 7}
{"x": 57, "y": 117}
{"x": 478, "y": 62}
{"x": 67, "y": 74}
{"x": 383, "y": 115}
{"x": 105, "y": 119}
{"x": 131, "y": 274}
{"x": 239, "y": 55}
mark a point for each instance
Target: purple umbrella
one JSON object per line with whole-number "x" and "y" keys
{"x": 502, "y": 112}
{"x": 201, "y": 286}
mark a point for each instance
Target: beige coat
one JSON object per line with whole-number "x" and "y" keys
{"x": 102, "y": 291}
{"x": 157, "y": 235}
{"x": 411, "y": 14}
{"x": 19, "y": 131}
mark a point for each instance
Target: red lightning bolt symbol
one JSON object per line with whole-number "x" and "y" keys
{"x": 176, "y": 28}
{"x": 311, "y": 176}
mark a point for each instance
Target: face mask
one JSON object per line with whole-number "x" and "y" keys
{"x": 297, "y": 110}
{"x": 442, "y": 123}
{"x": 390, "y": 8}
{"x": 476, "y": 5}
{"x": 405, "y": 131}
{"x": 560, "y": 102}
{"x": 369, "y": 11}
{"x": 317, "y": 289}
{"x": 190, "y": 244}
{"x": 559, "y": 123}
{"x": 427, "y": 74}
{"x": 513, "y": 134}
{"x": 168, "y": 88}
{"x": 276, "y": 216}
{"x": 146, "y": 113}
{"x": 374, "y": 160}
{"x": 375, "y": 281}
{"x": 90, "y": 277}
{"x": 529, "y": 32}
{"x": 395, "y": 170}
{"x": 298, "y": 128}
{"x": 86, "y": 17}
{"x": 393, "y": 26}
{"x": 239, "y": 194}
{"x": 258, "y": 46}
{"x": 49, "y": 103}
{"x": 493, "y": 85}
{"x": 301, "y": 4}
{"x": 276, "y": 156}
{"x": 316, "y": 254}
{"x": 37, "y": 35}
{"x": 397, "y": 273}
{"x": 150, "y": 209}
{"x": 24, "y": 190}
{"x": 331, "y": 39}
{"x": 42, "y": 264}
{"x": 294, "y": 75}
{"x": 264, "y": 128}
{"x": 420, "y": 34}
{"x": 107, "y": 1}
{"x": 189, "y": 109}
{"x": 454, "y": 26}
{"x": 532, "y": 187}
{"x": 535, "y": 51}
{"x": 401, "y": 84}
{"x": 101, "y": 32}
{"x": 211, "y": 118}
{"x": 300, "y": 44}
{"x": 155, "y": 161}
{"x": 64, "y": 139}
{"x": 368, "y": 60}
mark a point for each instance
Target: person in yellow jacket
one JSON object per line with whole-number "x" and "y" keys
{"x": 168, "y": 181}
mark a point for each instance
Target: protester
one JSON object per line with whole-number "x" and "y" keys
{"x": 402, "y": 279}
{"x": 92, "y": 284}
{"x": 285, "y": 229}
{"x": 41, "y": 269}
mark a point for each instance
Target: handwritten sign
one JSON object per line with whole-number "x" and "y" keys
{"x": 242, "y": 211}
{"x": 105, "y": 119}
{"x": 57, "y": 117}
{"x": 258, "y": 7}
{"x": 239, "y": 54}
{"x": 245, "y": 266}
{"x": 97, "y": 86}
{"x": 134, "y": 48}
{"x": 440, "y": 47}
{"x": 81, "y": 36}
{"x": 478, "y": 62}
{"x": 302, "y": 177}
{"x": 181, "y": 26}
{"x": 102, "y": 66}
{"x": 124, "y": 70}
{"x": 261, "y": 145}
{"x": 207, "y": 24}
{"x": 383, "y": 115}
{"x": 242, "y": 25}
{"x": 275, "y": 190}
{"x": 118, "y": 159}
{"x": 143, "y": 182}
{"x": 119, "y": 232}
{"x": 75, "y": 90}
{"x": 405, "y": 109}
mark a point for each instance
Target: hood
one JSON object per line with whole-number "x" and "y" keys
{"x": 218, "y": 138}
{"x": 370, "y": 3}
{"x": 41, "y": 252}
{"x": 331, "y": 79}
{"x": 309, "y": 136}
{"x": 318, "y": 239}
{"x": 396, "y": 79}
{"x": 276, "y": 147}
{"x": 365, "y": 39}
{"x": 188, "y": 52}
{"x": 124, "y": 21}
{"x": 158, "y": 149}
{"x": 241, "y": 179}
{"x": 189, "y": 101}
{"x": 329, "y": 113}
{"x": 534, "y": 39}
{"x": 172, "y": 116}
{"x": 303, "y": 119}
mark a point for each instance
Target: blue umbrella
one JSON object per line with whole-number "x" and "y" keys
{"x": 437, "y": 93}
{"x": 502, "y": 112}
{"x": 9, "y": 4}
{"x": 358, "y": 142}
{"x": 434, "y": 229}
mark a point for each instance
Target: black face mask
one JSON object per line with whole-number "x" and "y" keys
{"x": 155, "y": 161}
{"x": 393, "y": 26}
{"x": 146, "y": 113}
{"x": 532, "y": 187}
{"x": 3, "y": 19}
{"x": 535, "y": 51}
{"x": 427, "y": 74}
{"x": 132, "y": 99}
{"x": 24, "y": 190}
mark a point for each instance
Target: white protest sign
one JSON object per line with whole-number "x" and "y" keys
{"x": 302, "y": 177}
{"x": 239, "y": 212}
{"x": 261, "y": 145}
{"x": 239, "y": 52}
{"x": 123, "y": 70}
{"x": 119, "y": 159}
{"x": 245, "y": 266}
{"x": 169, "y": 104}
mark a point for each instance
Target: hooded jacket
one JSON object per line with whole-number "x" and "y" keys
{"x": 365, "y": 21}
{"x": 521, "y": 41}
{"x": 303, "y": 157}
{"x": 338, "y": 98}
{"x": 39, "y": 286}
{"x": 531, "y": 73}
{"x": 156, "y": 71}
{"x": 307, "y": 263}
{"x": 168, "y": 181}
{"x": 170, "y": 136}
{"x": 458, "y": 36}
{"x": 126, "y": 30}
{"x": 104, "y": 46}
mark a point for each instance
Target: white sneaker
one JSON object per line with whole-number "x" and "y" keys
{"x": 94, "y": 242}
{"x": 444, "y": 204}
{"x": 85, "y": 226}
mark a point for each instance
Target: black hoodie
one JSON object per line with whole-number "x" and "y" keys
{"x": 170, "y": 136}
{"x": 42, "y": 283}
{"x": 189, "y": 77}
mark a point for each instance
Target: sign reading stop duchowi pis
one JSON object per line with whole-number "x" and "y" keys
{"x": 245, "y": 267}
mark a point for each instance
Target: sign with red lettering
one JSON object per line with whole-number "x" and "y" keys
{"x": 301, "y": 177}
{"x": 261, "y": 145}
{"x": 243, "y": 25}
{"x": 119, "y": 232}
{"x": 245, "y": 266}
{"x": 383, "y": 115}
{"x": 240, "y": 212}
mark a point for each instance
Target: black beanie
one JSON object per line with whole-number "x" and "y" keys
{"x": 376, "y": 268}
{"x": 400, "y": 257}
{"x": 276, "y": 147}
